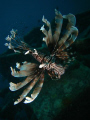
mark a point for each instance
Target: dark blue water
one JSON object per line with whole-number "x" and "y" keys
{"x": 26, "y": 14}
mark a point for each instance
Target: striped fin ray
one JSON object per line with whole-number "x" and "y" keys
{"x": 48, "y": 34}
{"x": 14, "y": 87}
{"x": 49, "y": 39}
{"x": 58, "y": 22}
{"x": 73, "y": 36}
{"x": 26, "y": 91}
{"x": 66, "y": 41}
{"x": 36, "y": 90}
{"x": 62, "y": 55}
{"x": 27, "y": 69}
{"x": 69, "y": 28}
{"x": 33, "y": 73}
{"x": 70, "y": 35}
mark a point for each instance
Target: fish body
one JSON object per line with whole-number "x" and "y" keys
{"x": 33, "y": 72}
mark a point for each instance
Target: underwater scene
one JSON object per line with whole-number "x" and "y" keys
{"x": 45, "y": 60}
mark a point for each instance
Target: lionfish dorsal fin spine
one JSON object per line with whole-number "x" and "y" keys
{"x": 58, "y": 22}
{"x": 48, "y": 34}
{"x": 64, "y": 41}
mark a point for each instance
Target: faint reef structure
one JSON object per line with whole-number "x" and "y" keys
{"x": 57, "y": 45}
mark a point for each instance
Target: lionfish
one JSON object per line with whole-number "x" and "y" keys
{"x": 33, "y": 72}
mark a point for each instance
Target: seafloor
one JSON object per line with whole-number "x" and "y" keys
{"x": 64, "y": 99}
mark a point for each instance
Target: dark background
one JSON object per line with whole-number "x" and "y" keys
{"x": 26, "y": 14}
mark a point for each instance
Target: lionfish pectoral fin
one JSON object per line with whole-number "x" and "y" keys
{"x": 36, "y": 90}
{"x": 26, "y": 91}
{"x": 29, "y": 88}
{"x": 24, "y": 70}
{"x": 33, "y": 73}
{"x": 28, "y": 100}
{"x": 14, "y": 87}
{"x": 15, "y": 73}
